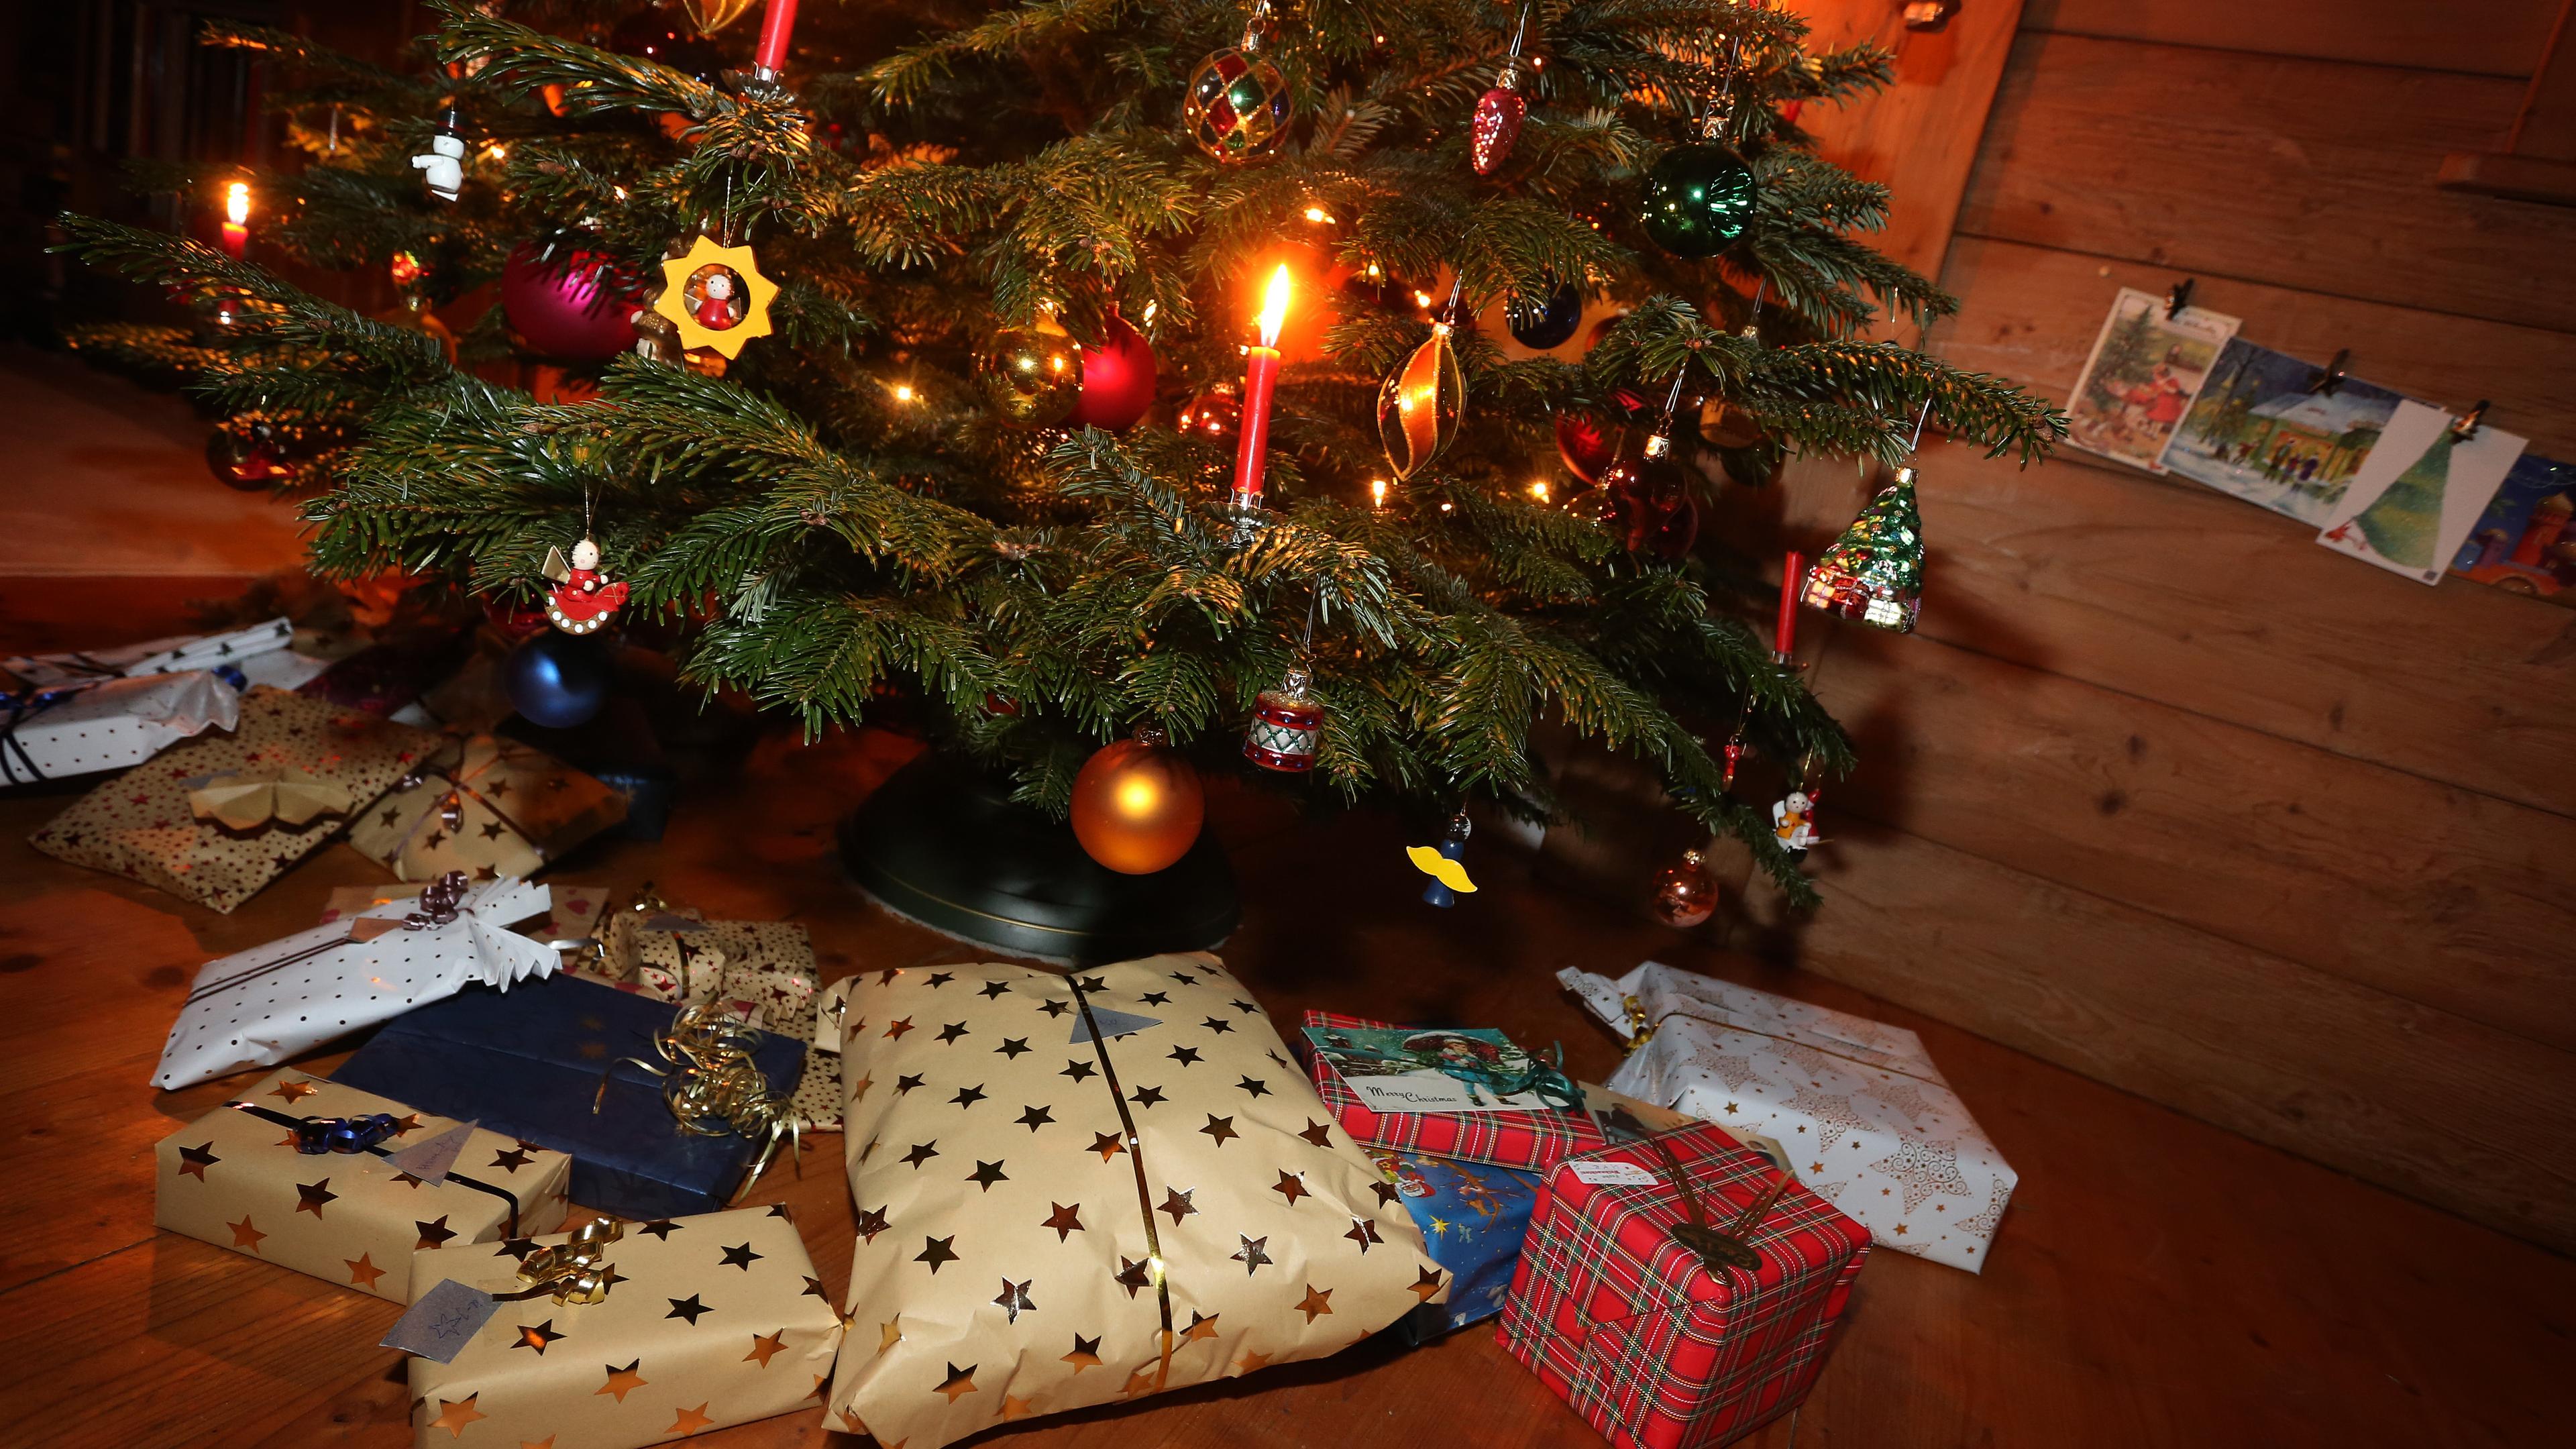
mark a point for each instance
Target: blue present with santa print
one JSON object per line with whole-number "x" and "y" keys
{"x": 1473, "y": 1215}
{"x": 549, "y": 1061}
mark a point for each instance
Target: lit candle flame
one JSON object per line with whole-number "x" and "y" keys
{"x": 237, "y": 203}
{"x": 1274, "y": 306}
{"x": 1377, "y": 492}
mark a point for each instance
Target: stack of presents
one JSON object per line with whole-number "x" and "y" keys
{"x": 1069, "y": 1188}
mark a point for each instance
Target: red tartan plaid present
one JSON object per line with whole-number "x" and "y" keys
{"x": 1531, "y": 1141}
{"x": 1651, "y": 1344}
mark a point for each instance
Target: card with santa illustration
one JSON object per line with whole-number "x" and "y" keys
{"x": 2147, "y": 368}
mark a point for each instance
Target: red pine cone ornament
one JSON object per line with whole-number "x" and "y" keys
{"x": 1497, "y": 123}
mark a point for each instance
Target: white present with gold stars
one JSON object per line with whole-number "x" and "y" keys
{"x": 707, "y": 1321}
{"x": 1087, "y": 1189}
{"x": 234, "y": 1178}
{"x": 1856, "y": 1107}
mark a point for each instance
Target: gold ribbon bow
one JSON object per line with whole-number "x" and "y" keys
{"x": 287, "y": 794}
{"x": 573, "y": 1271}
{"x": 714, "y": 1087}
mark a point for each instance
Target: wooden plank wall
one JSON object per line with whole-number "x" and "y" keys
{"x": 2164, "y": 791}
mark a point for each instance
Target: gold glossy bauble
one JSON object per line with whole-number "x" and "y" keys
{"x": 1032, "y": 376}
{"x": 1137, "y": 806}
{"x": 1685, "y": 894}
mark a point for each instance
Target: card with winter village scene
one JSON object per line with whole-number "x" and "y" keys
{"x": 2267, "y": 431}
{"x": 2145, "y": 370}
{"x": 2413, "y": 501}
{"x": 2523, "y": 543}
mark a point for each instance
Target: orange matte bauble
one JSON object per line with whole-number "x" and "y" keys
{"x": 1137, "y": 805}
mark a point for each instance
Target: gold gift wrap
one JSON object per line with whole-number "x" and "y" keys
{"x": 1048, "y": 1221}
{"x": 143, "y": 824}
{"x": 680, "y": 959}
{"x": 705, "y": 1321}
{"x": 234, "y": 1178}
{"x": 484, "y": 804}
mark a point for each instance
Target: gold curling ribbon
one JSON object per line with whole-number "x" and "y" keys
{"x": 248, "y": 799}
{"x": 714, "y": 1088}
{"x": 574, "y": 1271}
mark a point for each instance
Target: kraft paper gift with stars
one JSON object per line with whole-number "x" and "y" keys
{"x": 1086, "y": 1189}
{"x": 234, "y": 1178}
{"x": 706, "y": 1321}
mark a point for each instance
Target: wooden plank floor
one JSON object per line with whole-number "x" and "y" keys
{"x": 2157, "y": 1281}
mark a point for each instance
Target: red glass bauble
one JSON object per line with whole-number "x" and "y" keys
{"x": 1137, "y": 807}
{"x": 246, "y": 454}
{"x": 1587, "y": 445}
{"x": 1213, "y": 414}
{"x": 569, "y": 300}
{"x": 1117, "y": 379}
{"x": 1650, "y": 507}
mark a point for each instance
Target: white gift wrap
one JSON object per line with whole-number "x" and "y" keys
{"x": 112, "y": 725}
{"x": 261, "y": 652}
{"x": 262, "y": 1006}
{"x": 1857, "y": 1107}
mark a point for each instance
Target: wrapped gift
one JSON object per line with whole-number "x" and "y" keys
{"x": 674, "y": 957}
{"x": 259, "y": 1007}
{"x": 1473, "y": 1215}
{"x": 1130, "y": 1155}
{"x": 561, "y": 1062}
{"x": 1679, "y": 1292}
{"x": 386, "y": 676}
{"x": 263, "y": 653}
{"x": 303, "y": 1173}
{"x": 184, "y": 822}
{"x": 619, "y": 1335}
{"x": 81, "y": 729}
{"x": 1530, "y": 1140}
{"x": 484, "y": 804}
{"x": 1862, "y": 1113}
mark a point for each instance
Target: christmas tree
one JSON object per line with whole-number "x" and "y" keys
{"x": 995, "y": 233}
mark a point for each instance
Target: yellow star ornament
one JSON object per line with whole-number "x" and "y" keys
{"x": 716, "y": 296}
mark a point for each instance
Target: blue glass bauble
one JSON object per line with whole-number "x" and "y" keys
{"x": 558, "y": 680}
{"x": 1547, "y": 324}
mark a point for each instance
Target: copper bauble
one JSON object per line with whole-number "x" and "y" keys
{"x": 1685, "y": 894}
{"x": 1032, "y": 376}
{"x": 1137, "y": 806}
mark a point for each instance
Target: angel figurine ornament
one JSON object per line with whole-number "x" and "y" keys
{"x": 583, "y": 597}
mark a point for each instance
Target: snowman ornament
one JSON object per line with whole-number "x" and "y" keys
{"x": 584, "y": 598}
{"x": 442, "y": 167}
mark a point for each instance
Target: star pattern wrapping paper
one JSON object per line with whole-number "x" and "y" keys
{"x": 356, "y": 1219}
{"x": 140, "y": 825}
{"x": 1004, "y": 1268}
{"x": 711, "y": 1320}
{"x": 1855, "y": 1106}
{"x": 485, "y": 806}
{"x": 762, "y": 970}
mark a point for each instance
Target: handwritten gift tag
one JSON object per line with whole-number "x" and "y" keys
{"x": 442, "y": 1321}
{"x": 1612, "y": 1174}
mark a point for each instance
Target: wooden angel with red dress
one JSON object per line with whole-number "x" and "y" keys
{"x": 583, "y": 598}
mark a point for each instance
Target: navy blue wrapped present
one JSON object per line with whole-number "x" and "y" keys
{"x": 1473, "y": 1215}
{"x": 528, "y": 1061}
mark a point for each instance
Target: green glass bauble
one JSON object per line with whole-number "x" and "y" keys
{"x": 1699, "y": 199}
{"x": 1237, "y": 105}
{"x": 1031, "y": 376}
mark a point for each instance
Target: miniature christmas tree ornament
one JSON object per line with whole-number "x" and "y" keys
{"x": 1874, "y": 572}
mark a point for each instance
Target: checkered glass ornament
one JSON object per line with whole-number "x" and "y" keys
{"x": 1237, "y": 105}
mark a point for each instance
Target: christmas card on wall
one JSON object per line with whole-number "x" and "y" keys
{"x": 2266, "y": 430}
{"x": 2420, "y": 491}
{"x": 2145, "y": 372}
{"x": 2523, "y": 543}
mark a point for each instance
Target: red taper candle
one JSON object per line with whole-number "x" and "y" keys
{"x": 236, "y": 225}
{"x": 1261, "y": 376}
{"x": 777, "y": 23}
{"x": 1785, "y": 633}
